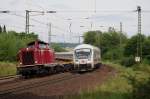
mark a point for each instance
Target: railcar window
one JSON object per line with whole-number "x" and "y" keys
{"x": 83, "y": 53}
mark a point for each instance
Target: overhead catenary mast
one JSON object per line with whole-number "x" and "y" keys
{"x": 27, "y": 22}
{"x": 139, "y": 40}
{"x": 27, "y": 26}
{"x": 49, "y": 34}
{"x": 120, "y": 33}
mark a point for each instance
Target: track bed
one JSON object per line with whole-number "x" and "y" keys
{"x": 56, "y": 86}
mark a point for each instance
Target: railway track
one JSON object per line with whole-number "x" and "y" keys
{"x": 9, "y": 78}
{"x": 10, "y": 91}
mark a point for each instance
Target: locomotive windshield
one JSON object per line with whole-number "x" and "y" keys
{"x": 83, "y": 53}
{"x": 40, "y": 44}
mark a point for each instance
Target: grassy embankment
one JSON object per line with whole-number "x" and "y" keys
{"x": 129, "y": 83}
{"x": 7, "y": 68}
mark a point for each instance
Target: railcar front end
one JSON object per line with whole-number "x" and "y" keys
{"x": 86, "y": 57}
{"x": 83, "y": 59}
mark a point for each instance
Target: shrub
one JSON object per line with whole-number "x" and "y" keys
{"x": 58, "y": 48}
{"x": 11, "y": 42}
{"x": 128, "y": 61}
{"x": 113, "y": 54}
{"x": 141, "y": 90}
{"x": 146, "y": 60}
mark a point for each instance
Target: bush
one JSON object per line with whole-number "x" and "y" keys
{"x": 128, "y": 61}
{"x": 141, "y": 86}
{"x": 141, "y": 91}
{"x": 113, "y": 54}
{"x": 58, "y": 48}
{"x": 146, "y": 60}
{"x": 11, "y": 42}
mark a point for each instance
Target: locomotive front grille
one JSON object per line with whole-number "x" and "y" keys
{"x": 28, "y": 58}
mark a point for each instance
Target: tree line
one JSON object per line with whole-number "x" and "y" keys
{"x": 117, "y": 47}
{"x": 2, "y": 29}
{"x": 11, "y": 42}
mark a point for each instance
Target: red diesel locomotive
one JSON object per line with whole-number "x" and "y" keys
{"x": 36, "y": 58}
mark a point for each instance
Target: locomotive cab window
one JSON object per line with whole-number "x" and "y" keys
{"x": 83, "y": 53}
{"x": 31, "y": 45}
{"x": 42, "y": 45}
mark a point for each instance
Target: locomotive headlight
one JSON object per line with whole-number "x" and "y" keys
{"x": 20, "y": 63}
{"x": 89, "y": 59}
{"x": 35, "y": 61}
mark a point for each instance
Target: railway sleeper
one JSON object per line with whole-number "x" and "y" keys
{"x": 97, "y": 65}
{"x": 59, "y": 68}
{"x": 68, "y": 67}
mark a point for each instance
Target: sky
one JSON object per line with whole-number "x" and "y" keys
{"x": 74, "y": 17}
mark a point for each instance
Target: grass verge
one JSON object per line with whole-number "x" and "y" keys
{"x": 7, "y": 68}
{"x": 123, "y": 86}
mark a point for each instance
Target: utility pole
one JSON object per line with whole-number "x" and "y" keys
{"x": 27, "y": 30}
{"x": 79, "y": 39}
{"x": 4, "y": 28}
{"x": 91, "y": 26}
{"x": 49, "y": 34}
{"x": 70, "y": 25}
{"x": 120, "y": 33}
{"x": 80, "y": 36}
{"x": 95, "y": 6}
{"x": 139, "y": 40}
{"x": 27, "y": 22}
{"x": 139, "y": 30}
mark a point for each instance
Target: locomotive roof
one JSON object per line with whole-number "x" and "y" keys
{"x": 85, "y": 46}
{"x": 40, "y": 42}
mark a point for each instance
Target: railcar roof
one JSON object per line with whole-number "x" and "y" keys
{"x": 33, "y": 42}
{"x": 64, "y": 52}
{"x": 85, "y": 46}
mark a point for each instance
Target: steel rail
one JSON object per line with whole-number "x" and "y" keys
{"x": 9, "y": 77}
{"x": 37, "y": 84}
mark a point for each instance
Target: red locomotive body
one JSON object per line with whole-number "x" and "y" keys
{"x": 35, "y": 58}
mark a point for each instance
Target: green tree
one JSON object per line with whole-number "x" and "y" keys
{"x": 111, "y": 46}
{"x": 107, "y": 41}
{"x": 4, "y": 29}
{"x": 90, "y": 37}
{"x": 0, "y": 29}
{"x": 10, "y": 43}
{"x": 131, "y": 45}
{"x": 58, "y": 48}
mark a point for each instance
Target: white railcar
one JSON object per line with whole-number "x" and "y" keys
{"x": 86, "y": 57}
